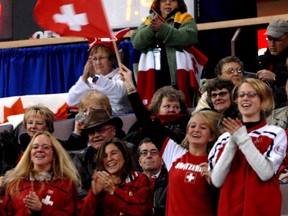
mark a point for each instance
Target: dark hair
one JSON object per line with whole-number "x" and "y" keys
{"x": 172, "y": 94}
{"x": 156, "y": 6}
{"x": 228, "y": 59}
{"x": 145, "y": 140}
{"x": 129, "y": 164}
{"x": 218, "y": 84}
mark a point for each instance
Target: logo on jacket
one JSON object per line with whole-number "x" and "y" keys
{"x": 190, "y": 177}
{"x": 279, "y": 150}
{"x": 47, "y": 200}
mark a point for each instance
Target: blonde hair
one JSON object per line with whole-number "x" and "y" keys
{"x": 99, "y": 98}
{"x": 211, "y": 119}
{"x": 263, "y": 91}
{"x": 62, "y": 165}
{"x": 40, "y": 111}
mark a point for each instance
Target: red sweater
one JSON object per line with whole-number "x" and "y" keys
{"x": 59, "y": 198}
{"x": 132, "y": 197}
{"x": 243, "y": 193}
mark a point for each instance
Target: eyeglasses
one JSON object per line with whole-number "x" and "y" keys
{"x": 98, "y": 130}
{"x": 249, "y": 94}
{"x": 234, "y": 70}
{"x": 152, "y": 152}
{"x": 221, "y": 94}
{"x": 101, "y": 58}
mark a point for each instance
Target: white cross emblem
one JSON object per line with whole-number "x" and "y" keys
{"x": 47, "y": 200}
{"x": 190, "y": 177}
{"x": 68, "y": 16}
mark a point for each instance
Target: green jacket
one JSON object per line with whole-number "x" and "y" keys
{"x": 177, "y": 33}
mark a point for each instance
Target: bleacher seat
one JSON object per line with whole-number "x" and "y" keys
{"x": 7, "y": 127}
{"x": 62, "y": 129}
{"x": 128, "y": 121}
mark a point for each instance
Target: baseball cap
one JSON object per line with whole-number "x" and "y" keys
{"x": 277, "y": 28}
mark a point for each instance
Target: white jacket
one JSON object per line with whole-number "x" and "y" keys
{"x": 110, "y": 85}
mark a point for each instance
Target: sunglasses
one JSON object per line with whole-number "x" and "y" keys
{"x": 221, "y": 94}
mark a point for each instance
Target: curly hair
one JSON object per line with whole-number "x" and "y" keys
{"x": 218, "y": 84}
{"x": 218, "y": 68}
{"x": 172, "y": 94}
{"x": 40, "y": 111}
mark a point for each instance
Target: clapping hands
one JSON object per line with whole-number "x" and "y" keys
{"x": 102, "y": 181}
{"x": 232, "y": 125}
{"x": 155, "y": 23}
{"x": 32, "y": 202}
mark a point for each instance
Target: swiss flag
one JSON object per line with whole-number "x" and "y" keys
{"x": 84, "y": 18}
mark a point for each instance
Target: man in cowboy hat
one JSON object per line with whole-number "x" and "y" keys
{"x": 99, "y": 125}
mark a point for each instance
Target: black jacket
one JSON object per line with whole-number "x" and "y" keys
{"x": 160, "y": 191}
{"x": 278, "y": 65}
{"x": 84, "y": 160}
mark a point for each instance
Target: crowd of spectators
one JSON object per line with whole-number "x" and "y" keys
{"x": 175, "y": 160}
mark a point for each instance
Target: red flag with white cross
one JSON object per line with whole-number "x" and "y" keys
{"x": 84, "y": 18}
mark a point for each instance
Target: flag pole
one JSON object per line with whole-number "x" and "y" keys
{"x": 117, "y": 54}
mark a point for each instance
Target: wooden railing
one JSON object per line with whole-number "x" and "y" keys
{"x": 257, "y": 22}
{"x": 41, "y": 42}
{"x": 238, "y": 23}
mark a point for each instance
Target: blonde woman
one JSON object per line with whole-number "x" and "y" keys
{"x": 36, "y": 118}
{"x": 44, "y": 181}
{"x": 245, "y": 159}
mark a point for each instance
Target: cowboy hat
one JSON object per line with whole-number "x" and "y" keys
{"x": 100, "y": 117}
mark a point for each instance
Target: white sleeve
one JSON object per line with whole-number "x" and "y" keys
{"x": 259, "y": 163}
{"x": 222, "y": 167}
{"x": 76, "y": 92}
{"x": 171, "y": 152}
{"x": 114, "y": 88}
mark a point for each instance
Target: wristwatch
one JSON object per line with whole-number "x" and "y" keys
{"x": 96, "y": 77}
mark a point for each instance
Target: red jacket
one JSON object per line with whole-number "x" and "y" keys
{"x": 134, "y": 196}
{"x": 59, "y": 198}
